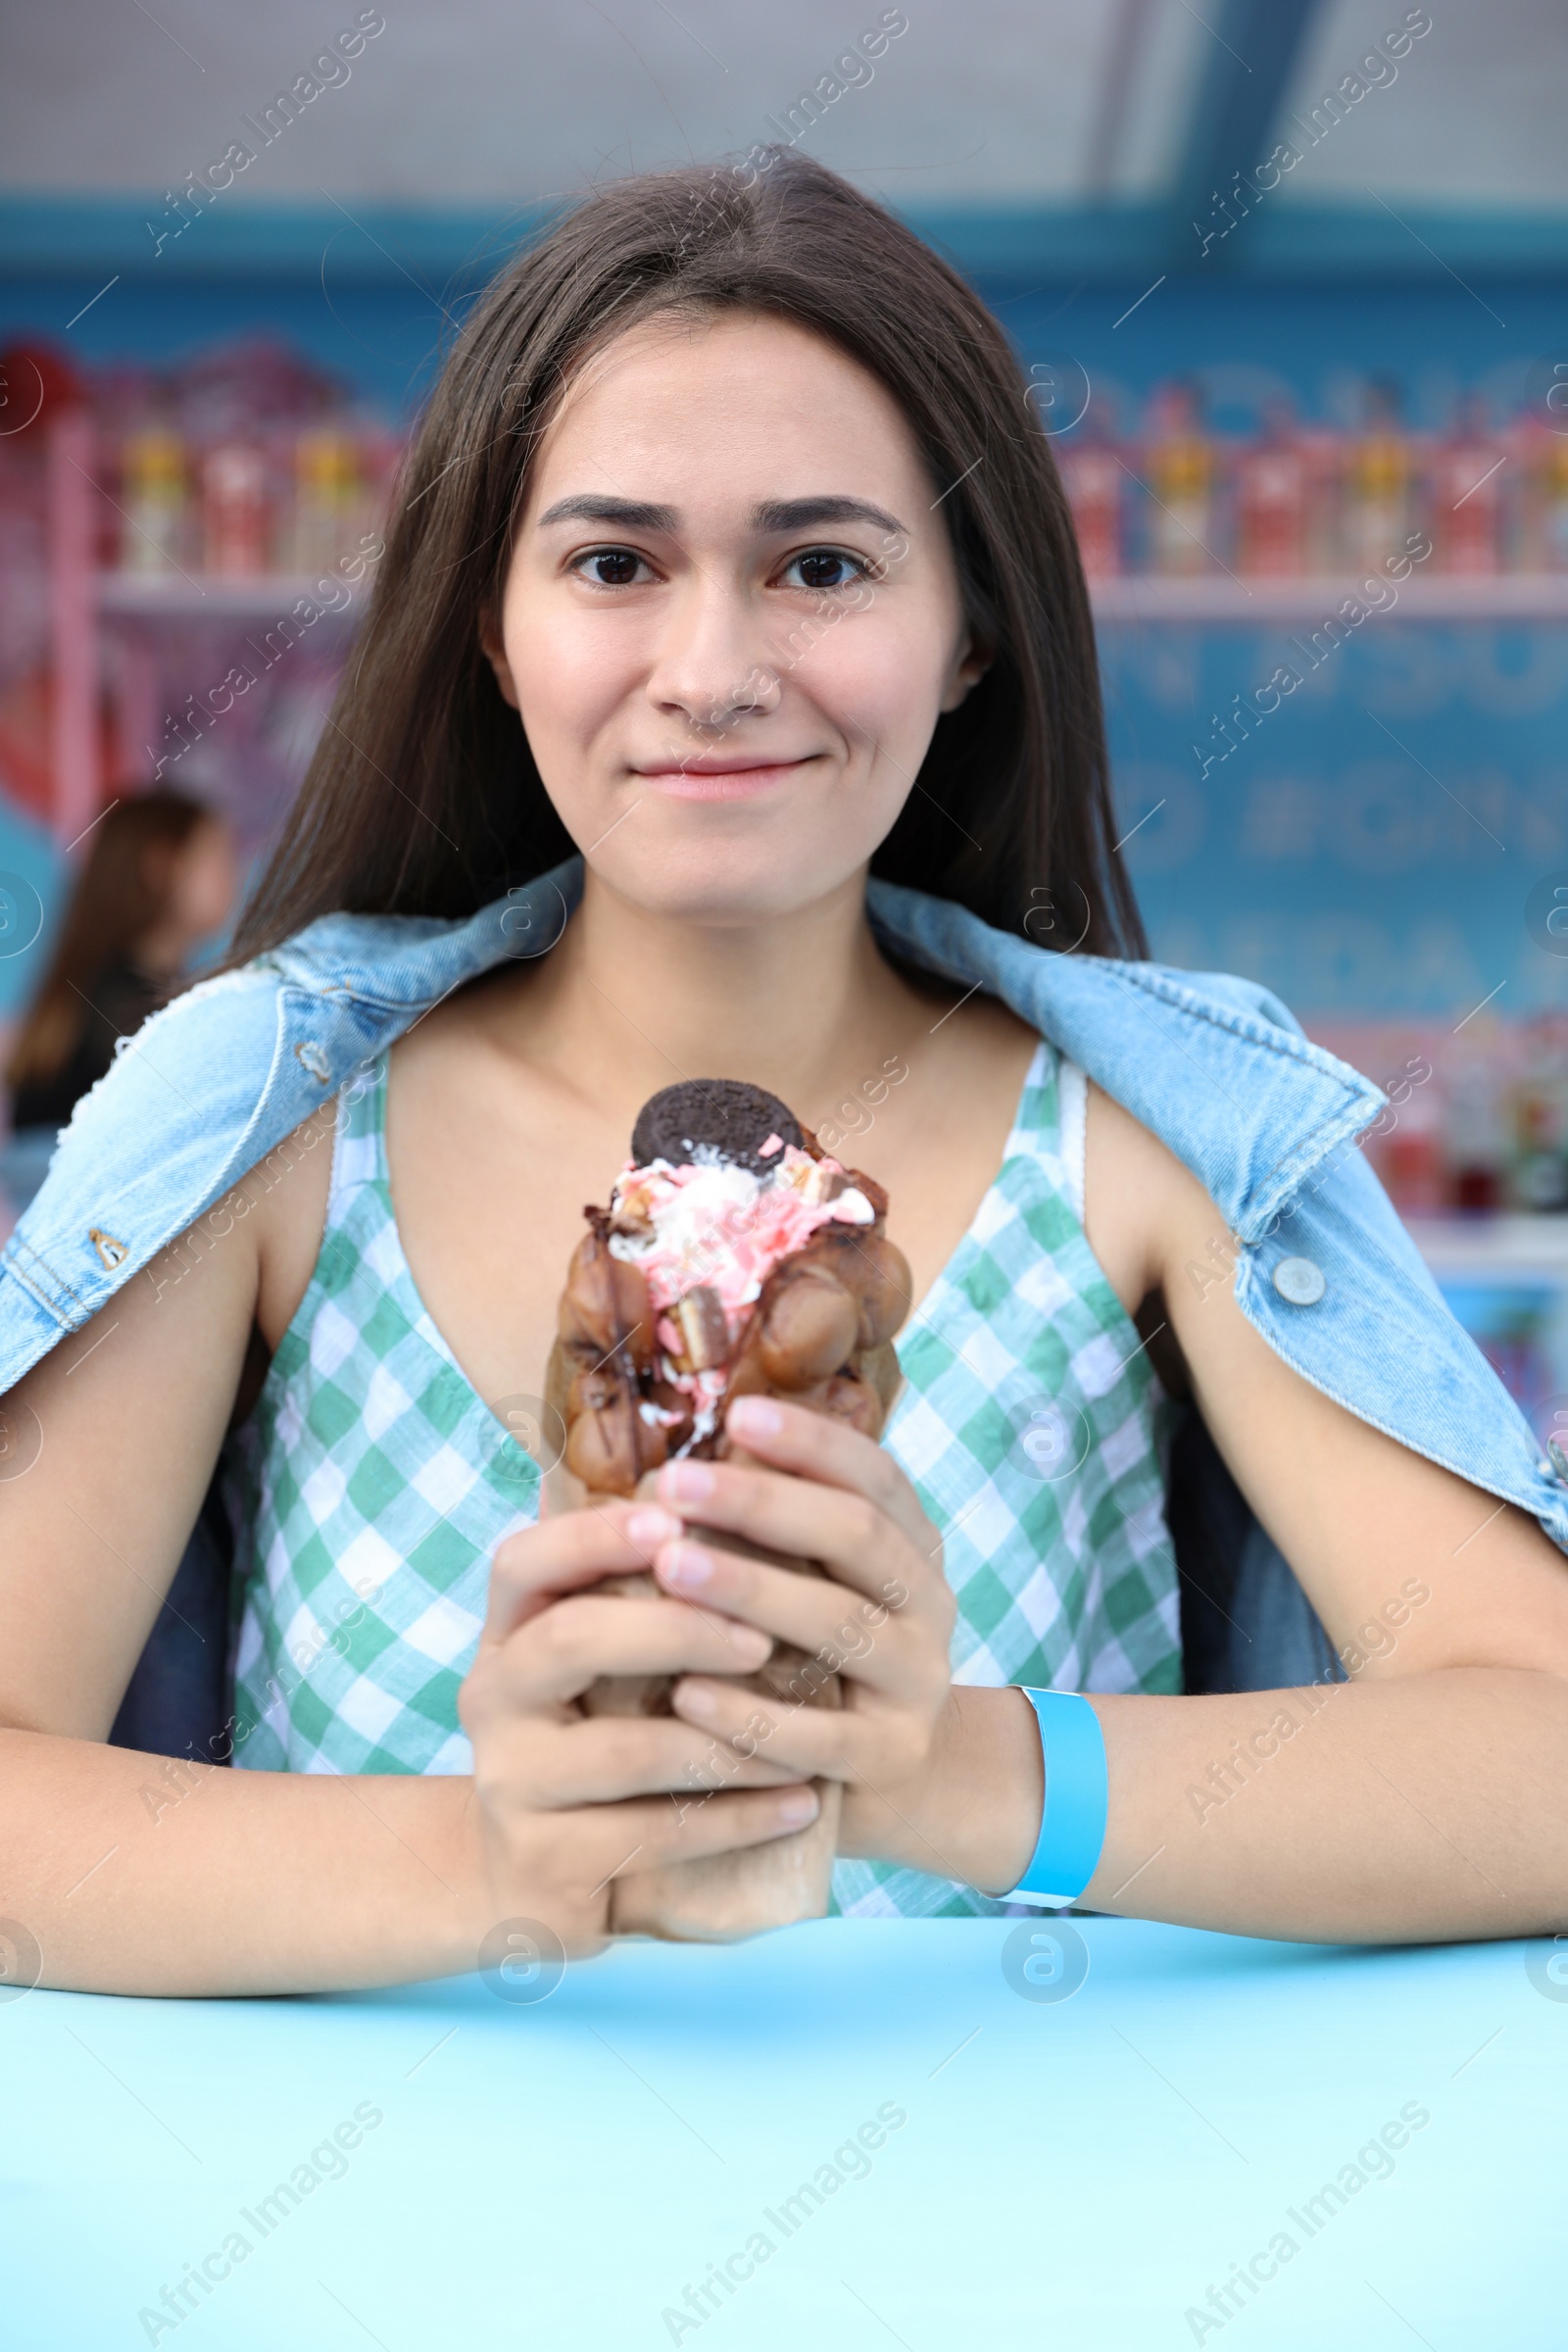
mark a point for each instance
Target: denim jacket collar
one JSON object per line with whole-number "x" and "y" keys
{"x": 1251, "y": 1137}
{"x": 1216, "y": 1066}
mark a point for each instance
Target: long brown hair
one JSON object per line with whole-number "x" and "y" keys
{"x": 423, "y": 797}
{"x": 122, "y": 892}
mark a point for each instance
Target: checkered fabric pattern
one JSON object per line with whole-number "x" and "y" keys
{"x": 1033, "y": 1429}
{"x": 372, "y": 1485}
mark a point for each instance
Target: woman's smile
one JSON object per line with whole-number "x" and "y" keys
{"x": 734, "y": 779}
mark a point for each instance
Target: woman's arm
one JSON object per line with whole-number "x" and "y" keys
{"x": 142, "y": 1875}
{"x": 1420, "y": 1799}
{"x": 134, "y": 1873}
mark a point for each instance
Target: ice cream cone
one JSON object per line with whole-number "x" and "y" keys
{"x": 736, "y": 1258}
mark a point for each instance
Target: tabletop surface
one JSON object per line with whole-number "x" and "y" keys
{"x": 994, "y": 2133}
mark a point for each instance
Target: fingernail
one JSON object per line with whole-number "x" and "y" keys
{"x": 686, "y": 1482}
{"x": 695, "y": 1700}
{"x": 799, "y": 1807}
{"x": 649, "y": 1528}
{"x": 754, "y": 1417}
{"x": 686, "y": 1566}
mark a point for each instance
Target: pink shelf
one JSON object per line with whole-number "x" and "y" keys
{"x": 73, "y": 751}
{"x": 82, "y": 600}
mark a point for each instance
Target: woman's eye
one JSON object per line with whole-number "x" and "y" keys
{"x": 824, "y": 567}
{"x": 611, "y": 566}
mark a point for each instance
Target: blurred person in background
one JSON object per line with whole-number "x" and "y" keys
{"x": 160, "y": 879}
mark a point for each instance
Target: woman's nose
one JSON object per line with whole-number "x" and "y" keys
{"x": 712, "y": 666}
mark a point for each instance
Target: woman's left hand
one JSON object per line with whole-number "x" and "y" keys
{"x": 881, "y": 1618}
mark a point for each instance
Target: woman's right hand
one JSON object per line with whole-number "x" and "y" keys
{"x": 568, "y": 1801}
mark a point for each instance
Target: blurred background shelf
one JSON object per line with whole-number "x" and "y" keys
{"x": 1311, "y": 598}
{"x": 1135, "y": 596}
{"x": 152, "y": 597}
{"x": 1484, "y": 1248}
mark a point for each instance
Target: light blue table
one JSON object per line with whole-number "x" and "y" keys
{"x": 1072, "y": 2172}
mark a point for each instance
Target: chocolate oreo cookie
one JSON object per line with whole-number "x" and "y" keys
{"x": 723, "y": 1114}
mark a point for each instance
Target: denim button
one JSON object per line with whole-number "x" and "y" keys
{"x": 1300, "y": 1281}
{"x": 1559, "y": 1458}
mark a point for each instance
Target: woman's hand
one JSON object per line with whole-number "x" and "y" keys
{"x": 881, "y": 1620}
{"x": 570, "y": 1802}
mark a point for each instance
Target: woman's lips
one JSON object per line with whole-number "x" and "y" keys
{"x": 716, "y": 783}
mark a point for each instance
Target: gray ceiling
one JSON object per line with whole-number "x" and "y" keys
{"x": 984, "y": 102}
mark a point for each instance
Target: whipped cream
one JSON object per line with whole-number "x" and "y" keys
{"x": 708, "y": 1223}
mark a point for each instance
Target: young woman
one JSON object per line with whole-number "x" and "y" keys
{"x": 730, "y": 570}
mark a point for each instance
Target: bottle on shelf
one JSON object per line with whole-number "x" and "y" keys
{"x": 1545, "y": 528}
{"x": 329, "y": 494}
{"x": 1322, "y": 454}
{"x": 1411, "y": 1159}
{"x": 1093, "y": 478}
{"x": 235, "y": 510}
{"x": 1375, "y": 510}
{"x": 1465, "y": 494}
{"x": 1477, "y": 1148}
{"x": 1179, "y": 473}
{"x": 153, "y": 496}
{"x": 1271, "y": 498}
{"x": 1538, "y": 1175}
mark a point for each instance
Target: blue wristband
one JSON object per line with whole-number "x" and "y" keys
{"x": 1072, "y": 1820}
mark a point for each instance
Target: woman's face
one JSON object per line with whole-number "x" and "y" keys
{"x": 731, "y": 619}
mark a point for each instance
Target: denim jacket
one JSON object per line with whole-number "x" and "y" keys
{"x": 1216, "y": 1066}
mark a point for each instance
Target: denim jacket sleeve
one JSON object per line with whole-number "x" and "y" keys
{"x": 1214, "y": 1065}
{"x": 1271, "y": 1125}
{"x": 208, "y": 1089}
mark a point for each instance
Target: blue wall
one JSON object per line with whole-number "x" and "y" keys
{"x": 386, "y": 341}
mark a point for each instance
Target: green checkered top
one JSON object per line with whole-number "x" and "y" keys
{"x": 371, "y": 1484}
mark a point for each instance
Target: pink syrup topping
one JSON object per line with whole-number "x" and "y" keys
{"x": 720, "y": 1227}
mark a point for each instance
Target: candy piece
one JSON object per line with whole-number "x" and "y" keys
{"x": 702, "y": 1328}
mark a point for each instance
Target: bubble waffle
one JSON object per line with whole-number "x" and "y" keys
{"x": 736, "y": 1258}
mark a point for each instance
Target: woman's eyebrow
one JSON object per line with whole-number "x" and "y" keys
{"x": 776, "y": 514}
{"x": 812, "y": 513}
{"x": 632, "y": 514}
